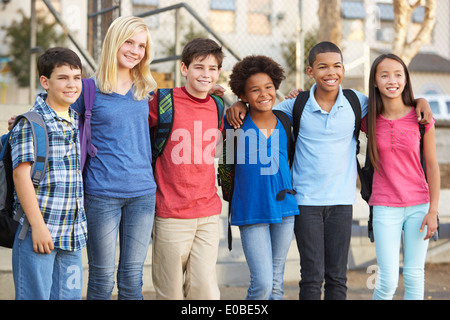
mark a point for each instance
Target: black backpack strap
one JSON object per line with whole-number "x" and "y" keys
{"x": 422, "y": 153}
{"x": 356, "y": 106}
{"x": 286, "y": 122}
{"x": 297, "y": 111}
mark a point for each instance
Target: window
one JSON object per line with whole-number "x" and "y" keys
{"x": 222, "y": 15}
{"x": 141, "y": 6}
{"x": 434, "y": 105}
{"x": 259, "y": 17}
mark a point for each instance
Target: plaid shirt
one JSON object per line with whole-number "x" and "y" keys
{"x": 60, "y": 193}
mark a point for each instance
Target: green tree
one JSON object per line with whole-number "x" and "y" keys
{"x": 18, "y": 39}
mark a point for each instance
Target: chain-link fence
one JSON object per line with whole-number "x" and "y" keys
{"x": 286, "y": 30}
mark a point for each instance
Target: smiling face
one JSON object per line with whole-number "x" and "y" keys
{"x": 259, "y": 93}
{"x": 327, "y": 71}
{"x": 390, "y": 79}
{"x": 201, "y": 75}
{"x": 132, "y": 51}
{"x": 63, "y": 87}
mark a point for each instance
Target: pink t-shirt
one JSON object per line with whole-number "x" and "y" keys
{"x": 401, "y": 181}
{"x": 185, "y": 173}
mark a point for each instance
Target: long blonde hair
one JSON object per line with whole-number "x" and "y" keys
{"x": 118, "y": 32}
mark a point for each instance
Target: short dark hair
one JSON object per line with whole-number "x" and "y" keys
{"x": 201, "y": 47}
{"x": 251, "y": 65}
{"x": 56, "y": 57}
{"x": 322, "y": 47}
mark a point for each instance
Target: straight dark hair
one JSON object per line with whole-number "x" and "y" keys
{"x": 56, "y": 57}
{"x": 201, "y": 48}
{"x": 376, "y": 104}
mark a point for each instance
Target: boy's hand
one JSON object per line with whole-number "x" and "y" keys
{"x": 42, "y": 240}
{"x": 423, "y": 107}
{"x": 236, "y": 113}
{"x": 293, "y": 93}
{"x": 217, "y": 90}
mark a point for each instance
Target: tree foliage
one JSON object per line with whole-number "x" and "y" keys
{"x": 18, "y": 39}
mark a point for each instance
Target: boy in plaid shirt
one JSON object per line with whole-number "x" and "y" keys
{"x": 47, "y": 263}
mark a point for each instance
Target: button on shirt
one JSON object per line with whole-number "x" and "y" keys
{"x": 324, "y": 168}
{"x": 401, "y": 181}
{"x": 60, "y": 193}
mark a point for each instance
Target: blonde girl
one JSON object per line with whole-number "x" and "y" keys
{"x": 402, "y": 196}
{"x": 119, "y": 184}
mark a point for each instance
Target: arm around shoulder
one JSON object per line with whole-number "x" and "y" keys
{"x": 434, "y": 182}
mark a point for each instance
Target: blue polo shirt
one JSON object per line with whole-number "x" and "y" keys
{"x": 324, "y": 169}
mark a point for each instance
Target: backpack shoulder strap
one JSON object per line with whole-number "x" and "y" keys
{"x": 422, "y": 153}
{"x": 286, "y": 122}
{"x": 89, "y": 95}
{"x": 297, "y": 111}
{"x": 40, "y": 142}
{"x": 165, "y": 108}
{"x": 220, "y": 108}
{"x": 356, "y": 106}
{"x": 84, "y": 125}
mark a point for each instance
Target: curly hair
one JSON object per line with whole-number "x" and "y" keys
{"x": 250, "y": 66}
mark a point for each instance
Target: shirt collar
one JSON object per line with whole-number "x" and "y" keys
{"x": 47, "y": 112}
{"x": 315, "y": 106}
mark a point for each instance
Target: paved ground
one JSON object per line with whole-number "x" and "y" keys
{"x": 437, "y": 286}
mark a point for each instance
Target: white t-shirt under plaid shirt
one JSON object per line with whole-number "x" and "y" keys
{"x": 60, "y": 193}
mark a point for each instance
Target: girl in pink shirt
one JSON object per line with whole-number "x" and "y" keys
{"x": 402, "y": 197}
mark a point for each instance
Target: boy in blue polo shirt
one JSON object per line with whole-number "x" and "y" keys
{"x": 47, "y": 262}
{"x": 324, "y": 174}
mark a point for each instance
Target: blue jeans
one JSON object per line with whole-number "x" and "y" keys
{"x": 40, "y": 276}
{"x": 388, "y": 223}
{"x": 323, "y": 236}
{"x": 131, "y": 219}
{"x": 266, "y": 247}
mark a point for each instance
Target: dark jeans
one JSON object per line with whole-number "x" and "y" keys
{"x": 323, "y": 240}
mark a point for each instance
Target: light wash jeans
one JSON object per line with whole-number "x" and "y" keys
{"x": 131, "y": 219}
{"x": 388, "y": 223}
{"x": 266, "y": 247}
{"x": 41, "y": 276}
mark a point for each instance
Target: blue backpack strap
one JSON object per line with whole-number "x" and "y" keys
{"x": 41, "y": 151}
{"x": 165, "y": 108}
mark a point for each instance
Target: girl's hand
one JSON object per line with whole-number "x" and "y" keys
{"x": 430, "y": 221}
